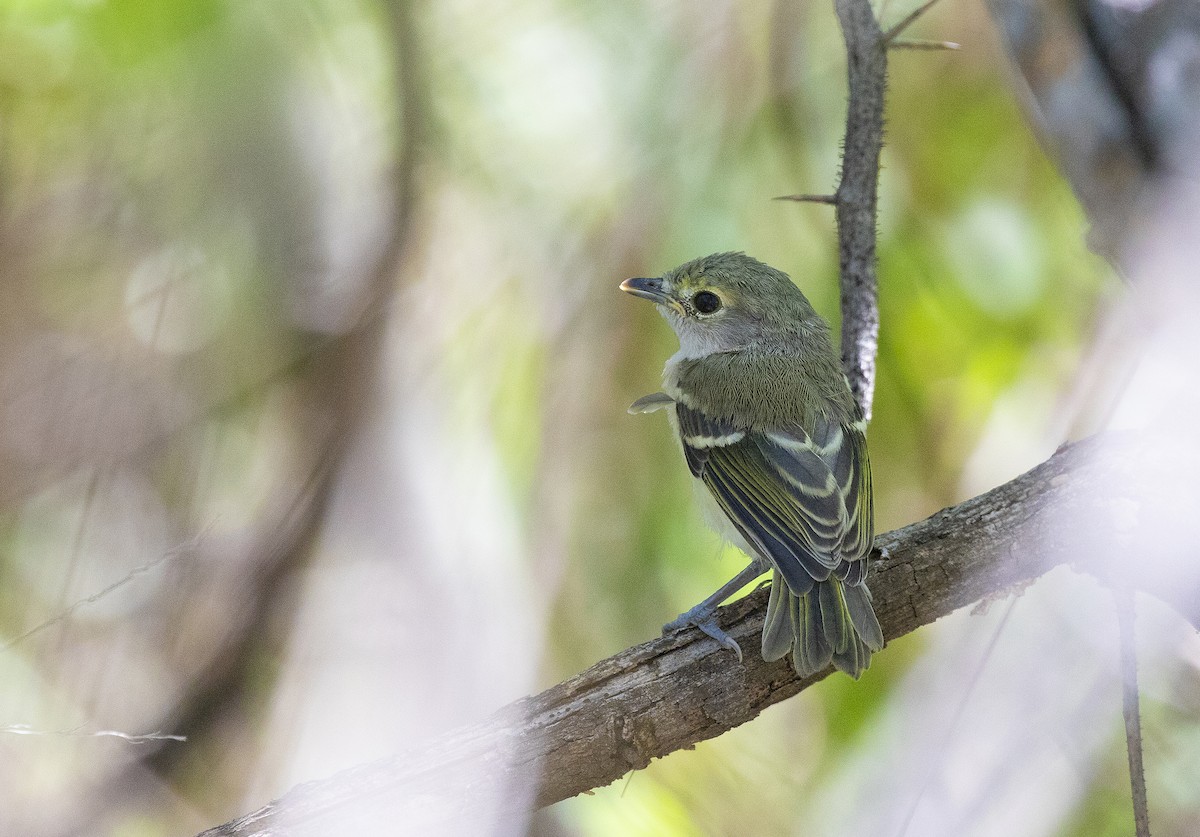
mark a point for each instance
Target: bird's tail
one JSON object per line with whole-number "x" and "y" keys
{"x": 834, "y": 621}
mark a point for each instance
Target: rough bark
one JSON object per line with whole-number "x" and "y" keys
{"x": 856, "y": 196}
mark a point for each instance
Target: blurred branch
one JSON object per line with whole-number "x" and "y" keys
{"x": 338, "y": 380}
{"x": 855, "y": 198}
{"x": 1131, "y": 711}
{"x": 669, "y": 693}
{"x": 936, "y": 766}
{"x": 132, "y": 738}
{"x": 277, "y": 551}
{"x": 1119, "y": 106}
{"x": 188, "y": 548}
{"x": 1113, "y": 90}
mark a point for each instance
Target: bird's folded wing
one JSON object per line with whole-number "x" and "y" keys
{"x": 843, "y": 449}
{"x": 860, "y": 508}
{"x": 784, "y": 491}
{"x": 702, "y": 435}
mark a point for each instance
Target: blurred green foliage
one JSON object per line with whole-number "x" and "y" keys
{"x": 198, "y": 188}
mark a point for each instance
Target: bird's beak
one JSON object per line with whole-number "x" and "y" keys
{"x": 651, "y": 289}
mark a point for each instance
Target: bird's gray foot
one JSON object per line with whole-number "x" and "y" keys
{"x": 704, "y": 617}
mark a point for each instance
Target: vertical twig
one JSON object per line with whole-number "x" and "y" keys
{"x": 1132, "y": 712}
{"x": 856, "y": 196}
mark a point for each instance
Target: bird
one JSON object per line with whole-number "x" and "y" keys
{"x": 769, "y": 426}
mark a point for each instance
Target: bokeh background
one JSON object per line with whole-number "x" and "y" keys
{"x": 313, "y": 376}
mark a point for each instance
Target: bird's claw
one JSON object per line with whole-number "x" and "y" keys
{"x": 711, "y": 628}
{"x": 706, "y": 622}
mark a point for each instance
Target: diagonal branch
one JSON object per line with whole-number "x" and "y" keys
{"x": 671, "y": 692}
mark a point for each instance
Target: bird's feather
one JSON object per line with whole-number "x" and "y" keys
{"x": 701, "y": 435}
{"x": 651, "y": 403}
{"x": 862, "y": 615}
{"x": 811, "y": 651}
{"x": 780, "y": 493}
{"x": 777, "y": 637}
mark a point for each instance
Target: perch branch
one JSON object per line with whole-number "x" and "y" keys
{"x": 672, "y": 692}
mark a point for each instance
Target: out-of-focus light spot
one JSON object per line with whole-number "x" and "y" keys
{"x": 341, "y": 126}
{"x": 547, "y": 111}
{"x": 997, "y": 257}
{"x": 237, "y": 470}
{"x": 35, "y": 59}
{"x": 84, "y": 534}
{"x": 177, "y": 299}
{"x": 1017, "y": 436}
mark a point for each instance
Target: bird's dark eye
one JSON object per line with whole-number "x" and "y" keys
{"x": 706, "y": 302}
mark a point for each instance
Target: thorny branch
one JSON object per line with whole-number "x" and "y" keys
{"x": 856, "y": 196}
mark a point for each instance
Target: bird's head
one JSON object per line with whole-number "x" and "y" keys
{"x": 727, "y": 302}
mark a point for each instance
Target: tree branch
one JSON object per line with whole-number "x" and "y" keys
{"x": 671, "y": 692}
{"x": 1131, "y": 711}
{"x": 855, "y": 199}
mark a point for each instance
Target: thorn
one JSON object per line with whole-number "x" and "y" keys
{"x": 892, "y": 33}
{"x": 829, "y": 199}
{"x": 924, "y": 45}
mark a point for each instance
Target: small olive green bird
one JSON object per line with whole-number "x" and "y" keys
{"x": 769, "y": 426}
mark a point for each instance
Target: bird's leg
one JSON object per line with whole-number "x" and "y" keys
{"x": 702, "y": 614}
